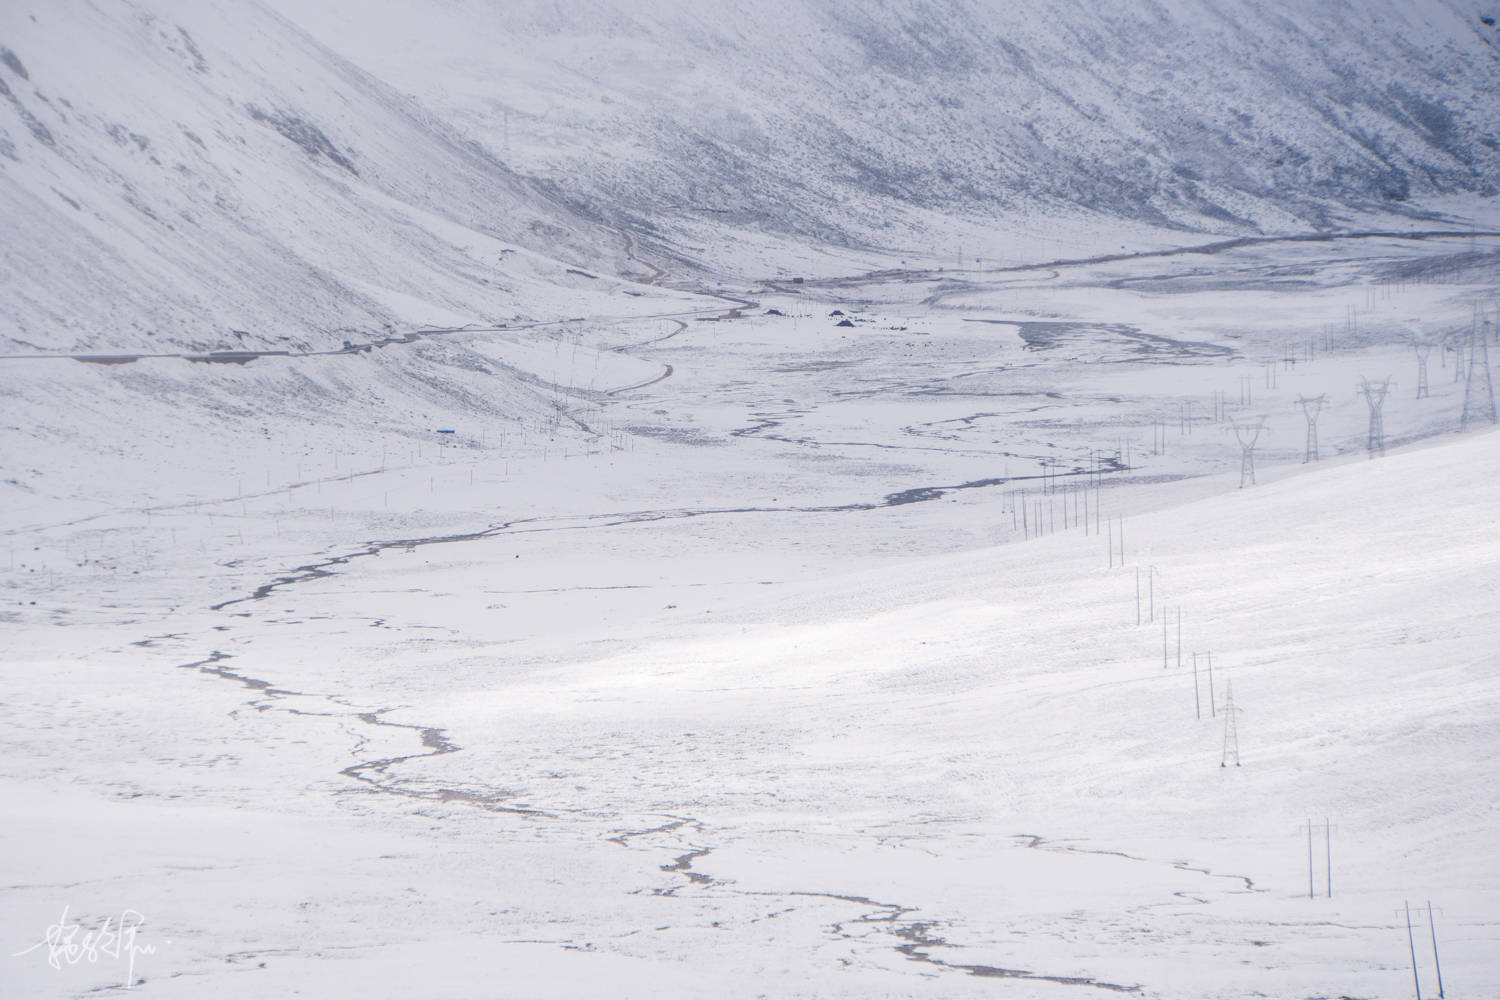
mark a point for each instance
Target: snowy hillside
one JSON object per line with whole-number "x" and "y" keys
{"x": 465, "y": 762}
{"x": 945, "y": 131}
{"x": 201, "y": 176}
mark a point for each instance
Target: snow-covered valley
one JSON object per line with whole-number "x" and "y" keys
{"x": 524, "y": 606}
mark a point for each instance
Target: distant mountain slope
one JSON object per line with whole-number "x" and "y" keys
{"x": 906, "y": 124}
{"x": 204, "y": 175}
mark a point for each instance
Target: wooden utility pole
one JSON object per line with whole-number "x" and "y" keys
{"x": 1309, "y": 861}
{"x": 1328, "y": 853}
{"x": 1212, "y": 711}
{"x": 1413, "y": 948}
{"x": 1197, "y": 702}
{"x": 1436, "y": 964}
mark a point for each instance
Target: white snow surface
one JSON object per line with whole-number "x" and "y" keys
{"x": 751, "y": 679}
{"x": 550, "y": 597}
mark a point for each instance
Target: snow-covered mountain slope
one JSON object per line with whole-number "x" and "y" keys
{"x": 212, "y": 175}
{"x": 947, "y": 129}
{"x": 203, "y": 175}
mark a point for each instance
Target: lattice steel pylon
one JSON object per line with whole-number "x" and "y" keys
{"x": 1375, "y": 393}
{"x": 1231, "y": 729}
{"x": 1246, "y": 433}
{"x": 1479, "y": 387}
{"x": 1423, "y": 350}
{"x": 1310, "y": 408}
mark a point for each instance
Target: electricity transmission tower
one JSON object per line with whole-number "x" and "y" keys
{"x": 1310, "y": 408}
{"x": 1423, "y": 350}
{"x": 1246, "y": 433}
{"x": 1479, "y": 388}
{"x": 1375, "y": 393}
{"x": 1231, "y": 729}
